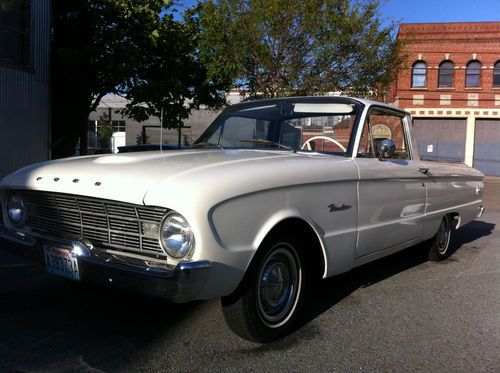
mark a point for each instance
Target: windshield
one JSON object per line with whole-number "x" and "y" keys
{"x": 315, "y": 127}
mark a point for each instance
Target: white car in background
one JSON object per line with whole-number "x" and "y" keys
{"x": 274, "y": 195}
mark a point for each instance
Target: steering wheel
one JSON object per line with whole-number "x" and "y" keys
{"x": 307, "y": 143}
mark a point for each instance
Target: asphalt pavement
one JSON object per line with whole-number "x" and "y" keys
{"x": 399, "y": 314}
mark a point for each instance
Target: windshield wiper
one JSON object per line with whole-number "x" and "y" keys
{"x": 269, "y": 142}
{"x": 206, "y": 145}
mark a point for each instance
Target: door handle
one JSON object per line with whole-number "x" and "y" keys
{"x": 424, "y": 170}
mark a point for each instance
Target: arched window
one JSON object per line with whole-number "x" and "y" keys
{"x": 473, "y": 74}
{"x": 496, "y": 75}
{"x": 419, "y": 74}
{"x": 446, "y": 74}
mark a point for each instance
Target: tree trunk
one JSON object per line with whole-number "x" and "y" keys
{"x": 69, "y": 121}
{"x": 83, "y": 124}
{"x": 70, "y": 92}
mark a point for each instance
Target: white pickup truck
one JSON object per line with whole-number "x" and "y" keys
{"x": 274, "y": 195}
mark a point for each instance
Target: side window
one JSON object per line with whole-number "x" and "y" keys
{"x": 379, "y": 126}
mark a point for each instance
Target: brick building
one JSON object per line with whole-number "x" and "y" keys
{"x": 451, "y": 86}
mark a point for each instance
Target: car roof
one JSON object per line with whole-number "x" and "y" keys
{"x": 317, "y": 99}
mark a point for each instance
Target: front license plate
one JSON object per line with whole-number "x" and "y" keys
{"x": 61, "y": 262}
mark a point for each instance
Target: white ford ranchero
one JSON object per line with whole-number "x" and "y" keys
{"x": 274, "y": 195}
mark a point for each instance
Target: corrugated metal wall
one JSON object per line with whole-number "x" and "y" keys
{"x": 24, "y": 100}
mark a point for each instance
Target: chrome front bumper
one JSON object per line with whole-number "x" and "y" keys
{"x": 178, "y": 284}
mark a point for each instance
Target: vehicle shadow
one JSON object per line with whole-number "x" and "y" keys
{"x": 48, "y": 324}
{"x": 331, "y": 291}
{"x": 60, "y": 326}
{"x": 471, "y": 232}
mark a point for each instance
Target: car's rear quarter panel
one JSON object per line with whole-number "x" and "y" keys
{"x": 451, "y": 188}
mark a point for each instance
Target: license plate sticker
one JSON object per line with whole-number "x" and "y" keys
{"x": 61, "y": 262}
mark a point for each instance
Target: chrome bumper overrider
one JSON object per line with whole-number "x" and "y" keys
{"x": 480, "y": 211}
{"x": 178, "y": 284}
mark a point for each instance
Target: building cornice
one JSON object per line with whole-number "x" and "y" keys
{"x": 493, "y": 113}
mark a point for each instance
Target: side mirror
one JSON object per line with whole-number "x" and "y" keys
{"x": 387, "y": 148}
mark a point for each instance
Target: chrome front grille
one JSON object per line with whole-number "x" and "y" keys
{"x": 102, "y": 222}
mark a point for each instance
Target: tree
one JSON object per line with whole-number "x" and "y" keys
{"x": 172, "y": 78}
{"x": 296, "y": 47}
{"x": 105, "y": 131}
{"x": 134, "y": 48}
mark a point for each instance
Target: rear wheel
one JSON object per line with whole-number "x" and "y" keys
{"x": 267, "y": 304}
{"x": 440, "y": 243}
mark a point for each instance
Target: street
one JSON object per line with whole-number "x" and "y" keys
{"x": 401, "y": 313}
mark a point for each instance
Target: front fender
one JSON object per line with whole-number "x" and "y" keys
{"x": 242, "y": 223}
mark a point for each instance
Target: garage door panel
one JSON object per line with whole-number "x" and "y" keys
{"x": 487, "y": 147}
{"x": 426, "y": 133}
{"x": 441, "y": 139}
{"x": 451, "y": 151}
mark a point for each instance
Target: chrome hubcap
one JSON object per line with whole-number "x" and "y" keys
{"x": 278, "y": 286}
{"x": 443, "y": 236}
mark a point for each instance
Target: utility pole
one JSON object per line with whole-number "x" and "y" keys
{"x": 112, "y": 145}
{"x": 179, "y": 134}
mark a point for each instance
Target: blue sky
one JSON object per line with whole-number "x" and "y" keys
{"x": 416, "y": 11}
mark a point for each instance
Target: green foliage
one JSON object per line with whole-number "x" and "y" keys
{"x": 105, "y": 131}
{"x": 172, "y": 77}
{"x": 103, "y": 41}
{"x": 133, "y": 48}
{"x": 296, "y": 47}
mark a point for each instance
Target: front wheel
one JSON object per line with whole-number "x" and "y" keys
{"x": 440, "y": 243}
{"x": 267, "y": 304}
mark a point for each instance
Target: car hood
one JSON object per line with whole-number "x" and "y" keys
{"x": 128, "y": 177}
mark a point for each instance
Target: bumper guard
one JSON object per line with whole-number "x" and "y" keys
{"x": 180, "y": 283}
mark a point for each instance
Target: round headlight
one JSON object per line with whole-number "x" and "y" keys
{"x": 15, "y": 208}
{"x": 176, "y": 236}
